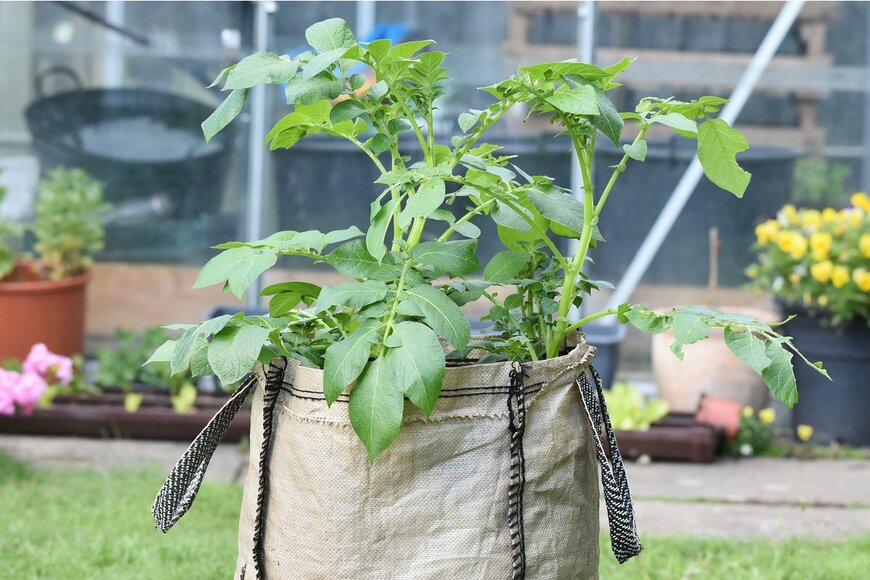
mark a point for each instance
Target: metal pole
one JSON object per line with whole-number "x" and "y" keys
{"x": 865, "y": 163}
{"x": 585, "y": 53}
{"x": 365, "y": 17}
{"x": 686, "y": 186}
{"x": 256, "y": 150}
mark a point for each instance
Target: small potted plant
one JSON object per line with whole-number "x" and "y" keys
{"x": 386, "y": 440}
{"x": 817, "y": 264}
{"x": 43, "y": 300}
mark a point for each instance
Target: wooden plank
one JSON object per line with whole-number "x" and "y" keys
{"x": 823, "y": 11}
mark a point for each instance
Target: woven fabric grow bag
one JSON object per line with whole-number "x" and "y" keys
{"x": 500, "y": 482}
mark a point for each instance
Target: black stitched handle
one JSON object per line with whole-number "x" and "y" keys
{"x": 180, "y": 489}
{"x": 617, "y": 497}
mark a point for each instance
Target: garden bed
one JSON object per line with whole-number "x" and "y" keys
{"x": 677, "y": 437}
{"x": 104, "y": 416}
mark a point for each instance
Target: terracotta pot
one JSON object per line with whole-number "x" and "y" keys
{"x": 708, "y": 367}
{"x": 34, "y": 310}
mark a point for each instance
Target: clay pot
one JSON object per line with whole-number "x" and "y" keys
{"x": 708, "y": 367}
{"x": 35, "y": 310}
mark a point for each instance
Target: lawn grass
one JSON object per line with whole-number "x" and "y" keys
{"x": 72, "y": 524}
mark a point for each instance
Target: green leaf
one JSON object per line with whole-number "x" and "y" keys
{"x": 407, "y": 49}
{"x": 226, "y": 112}
{"x": 636, "y": 151}
{"x": 322, "y": 62}
{"x": 351, "y": 294}
{"x": 346, "y": 359}
{"x": 261, "y": 68}
{"x": 688, "y": 328}
{"x": 378, "y": 230}
{"x": 505, "y": 266}
{"x": 330, "y": 34}
{"x": 442, "y": 314}
{"x": 380, "y": 143}
{"x": 307, "y": 91}
{"x": 579, "y": 100}
{"x": 457, "y": 258}
{"x": 345, "y": 111}
{"x": 646, "y": 320}
{"x": 418, "y": 364}
{"x": 608, "y": 120}
{"x": 163, "y": 354}
{"x": 468, "y": 120}
{"x": 376, "y": 407}
{"x": 560, "y": 207}
{"x": 180, "y": 360}
{"x": 301, "y": 288}
{"x": 337, "y": 236}
{"x": 238, "y": 267}
{"x": 199, "y": 366}
{"x": 779, "y": 374}
{"x": 676, "y": 121}
{"x": 553, "y": 70}
{"x": 718, "y": 145}
{"x": 282, "y": 303}
{"x": 234, "y": 350}
{"x": 221, "y": 76}
{"x": 429, "y": 197}
{"x": 353, "y": 259}
{"x": 748, "y": 348}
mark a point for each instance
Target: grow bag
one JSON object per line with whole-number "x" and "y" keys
{"x": 500, "y": 482}
{"x": 138, "y": 142}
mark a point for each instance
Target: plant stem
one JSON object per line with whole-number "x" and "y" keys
{"x": 617, "y": 171}
{"x": 476, "y": 211}
{"x": 393, "y": 309}
{"x": 590, "y": 318}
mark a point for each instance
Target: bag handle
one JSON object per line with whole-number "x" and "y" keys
{"x": 181, "y": 486}
{"x": 617, "y": 497}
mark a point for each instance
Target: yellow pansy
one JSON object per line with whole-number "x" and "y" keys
{"x": 862, "y": 279}
{"x": 823, "y": 300}
{"x": 864, "y": 245}
{"x": 786, "y": 241}
{"x": 794, "y": 277}
{"x": 804, "y": 432}
{"x": 767, "y": 416}
{"x": 861, "y": 200}
{"x": 820, "y": 242}
{"x": 798, "y": 246}
{"x": 830, "y": 215}
{"x": 854, "y": 217}
{"x": 840, "y": 276}
{"x": 747, "y": 412}
{"x": 789, "y": 214}
{"x": 766, "y": 231}
{"x": 821, "y": 271}
{"x": 810, "y": 219}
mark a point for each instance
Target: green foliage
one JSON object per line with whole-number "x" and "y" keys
{"x": 377, "y": 337}
{"x": 68, "y": 227}
{"x": 819, "y": 182}
{"x": 9, "y": 234}
{"x": 629, "y": 411}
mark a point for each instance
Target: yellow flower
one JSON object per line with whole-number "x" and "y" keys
{"x": 766, "y": 232}
{"x": 820, "y": 242}
{"x": 767, "y": 416}
{"x": 840, "y": 276}
{"x": 864, "y": 245}
{"x": 862, "y": 279}
{"x": 821, "y": 271}
{"x": 786, "y": 241}
{"x": 861, "y": 200}
{"x": 823, "y": 300}
{"x": 747, "y": 412}
{"x": 794, "y": 277}
{"x": 804, "y": 432}
{"x": 798, "y": 246}
{"x": 810, "y": 219}
{"x": 789, "y": 213}
{"x": 830, "y": 215}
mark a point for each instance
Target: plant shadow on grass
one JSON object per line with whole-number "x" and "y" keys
{"x": 77, "y": 523}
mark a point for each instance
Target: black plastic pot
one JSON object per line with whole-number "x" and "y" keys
{"x": 837, "y": 410}
{"x": 606, "y": 339}
{"x": 642, "y": 192}
{"x": 67, "y": 130}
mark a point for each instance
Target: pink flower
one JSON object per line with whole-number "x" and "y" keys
{"x": 7, "y": 401}
{"x": 27, "y": 391}
{"x": 44, "y": 363}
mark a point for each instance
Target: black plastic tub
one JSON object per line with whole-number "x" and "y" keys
{"x": 138, "y": 142}
{"x": 644, "y": 188}
{"x": 837, "y": 410}
{"x": 606, "y": 339}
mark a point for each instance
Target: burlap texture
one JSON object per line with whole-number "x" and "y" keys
{"x": 435, "y": 504}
